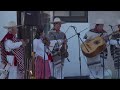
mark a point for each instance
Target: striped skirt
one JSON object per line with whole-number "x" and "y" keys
{"x": 40, "y": 73}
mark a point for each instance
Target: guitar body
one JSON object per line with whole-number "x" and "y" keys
{"x": 93, "y": 47}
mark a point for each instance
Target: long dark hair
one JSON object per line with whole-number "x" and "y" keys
{"x": 38, "y": 32}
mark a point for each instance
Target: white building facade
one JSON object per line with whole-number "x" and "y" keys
{"x": 82, "y": 20}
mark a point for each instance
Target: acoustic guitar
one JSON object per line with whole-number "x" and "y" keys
{"x": 94, "y": 46}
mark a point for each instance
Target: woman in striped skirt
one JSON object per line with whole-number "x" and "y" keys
{"x": 42, "y": 68}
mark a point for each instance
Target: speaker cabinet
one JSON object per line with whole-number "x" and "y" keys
{"x": 32, "y": 18}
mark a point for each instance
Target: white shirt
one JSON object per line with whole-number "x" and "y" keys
{"x": 114, "y": 42}
{"x": 53, "y": 42}
{"x": 38, "y": 48}
{"x": 9, "y": 45}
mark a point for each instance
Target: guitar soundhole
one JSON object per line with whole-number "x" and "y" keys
{"x": 96, "y": 42}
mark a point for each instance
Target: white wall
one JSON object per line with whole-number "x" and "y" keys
{"x": 6, "y": 16}
{"x": 110, "y": 17}
{"x": 72, "y": 68}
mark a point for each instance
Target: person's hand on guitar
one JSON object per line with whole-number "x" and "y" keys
{"x": 88, "y": 40}
{"x": 64, "y": 42}
{"x": 106, "y": 38}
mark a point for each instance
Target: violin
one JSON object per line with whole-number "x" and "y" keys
{"x": 63, "y": 50}
{"x": 116, "y": 35}
{"x": 46, "y": 41}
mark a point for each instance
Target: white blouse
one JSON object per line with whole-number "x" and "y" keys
{"x": 38, "y": 48}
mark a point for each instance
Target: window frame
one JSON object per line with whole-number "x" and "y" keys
{"x": 73, "y": 18}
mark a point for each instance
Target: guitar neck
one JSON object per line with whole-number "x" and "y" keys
{"x": 111, "y": 34}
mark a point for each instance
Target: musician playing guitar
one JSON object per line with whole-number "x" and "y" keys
{"x": 115, "y": 49}
{"x": 59, "y": 53}
{"x": 94, "y": 62}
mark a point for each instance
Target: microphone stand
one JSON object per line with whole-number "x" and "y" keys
{"x": 103, "y": 65}
{"x": 78, "y": 34}
{"x": 79, "y": 39}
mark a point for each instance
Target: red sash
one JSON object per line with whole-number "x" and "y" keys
{"x": 4, "y": 52}
{"x": 15, "y": 60}
{"x": 50, "y": 57}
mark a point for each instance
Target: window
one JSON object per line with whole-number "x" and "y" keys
{"x": 61, "y": 13}
{"x": 78, "y": 13}
{"x": 72, "y": 16}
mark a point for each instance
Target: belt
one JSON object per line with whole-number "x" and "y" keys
{"x": 90, "y": 64}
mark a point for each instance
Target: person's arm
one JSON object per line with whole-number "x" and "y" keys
{"x": 64, "y": 41}
{"x": 87, "y": 37}
{"x": 13, "y": 45}
{"x": 113, "y": 42}
{"x": 34, "y": 45}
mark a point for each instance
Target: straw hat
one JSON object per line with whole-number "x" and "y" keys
{"x": 99, "y": 21}
{"x": 11, "y": 24}
{"x": 57, "y": 20}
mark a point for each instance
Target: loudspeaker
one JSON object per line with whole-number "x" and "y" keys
{"x": 77, "y": 77}
{"x": 32, "y": 18}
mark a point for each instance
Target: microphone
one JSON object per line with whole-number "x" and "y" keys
{"x": 113, "y": 26}
{"x": 110, "y": 25}
{"x": 74, "y": 28}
